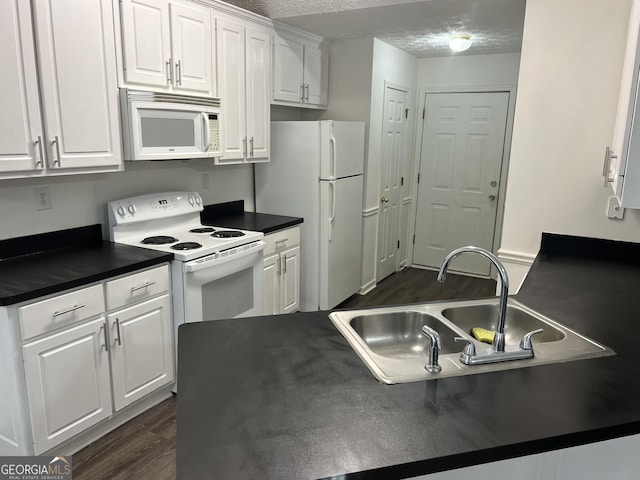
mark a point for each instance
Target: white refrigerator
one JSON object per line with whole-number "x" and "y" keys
{"x": 316, "y": 172}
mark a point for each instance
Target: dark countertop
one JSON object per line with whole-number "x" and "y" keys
{"x": 38, "y": 265}
{"x": 232, "y": 215}
{"x": 286, "y": 397}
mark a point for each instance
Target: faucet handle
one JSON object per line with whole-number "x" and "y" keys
{"x": 469, "y": 349}
{"x": 525, "y": 343}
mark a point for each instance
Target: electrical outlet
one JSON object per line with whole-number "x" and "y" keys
{"x": 43, "y": 198}
{"x": 205, "y": 181}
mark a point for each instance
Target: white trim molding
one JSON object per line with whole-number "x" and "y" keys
{"x": 517, "y": 265}
{"x": 367, "y": 212}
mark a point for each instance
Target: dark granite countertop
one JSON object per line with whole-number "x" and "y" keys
{"x": 38, "y": 265}
{"x": 285, "y": 397}
{"x": 232, "y": 215}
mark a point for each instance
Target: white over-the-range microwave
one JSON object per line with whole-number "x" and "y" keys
{"x": 163, "y": 126}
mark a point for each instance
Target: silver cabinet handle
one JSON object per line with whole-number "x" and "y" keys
{"x": 244, "y": 147}
{"x": 307, "y": 89}
{"x": 251, "y": 147}
{"x": 118, "y": 338}
{"x": 106, "y": 337}
{"x": 38, "y": 142}
{"x": 284, "y": 264}
{"x": 279, "y": 265}
{"x": 178, "y": 73}
{"x": 283, "y": 240}
{"x": 69, "y": 310}
{"x": 140, "y": 287}
{"x": 302, "y": 92}
{"x": 56, "y": 141}
{"x": 608, "y": 155}
{"x": 169, "y": 75}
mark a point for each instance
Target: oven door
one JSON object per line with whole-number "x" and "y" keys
{"x": 229, "y": 286}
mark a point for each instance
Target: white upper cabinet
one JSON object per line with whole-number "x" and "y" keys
{"x": 243, "y": 53}
{"x": 300, "y": 70}
{"x": 622, "y": 160}
{"x": 168, "y": 46}
{"x": 60, "y": 113}
{"x": 20, "y": 125}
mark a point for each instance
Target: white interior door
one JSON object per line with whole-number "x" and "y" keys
{"x": 461, "y": 158}
{"x": 393, "y": 141}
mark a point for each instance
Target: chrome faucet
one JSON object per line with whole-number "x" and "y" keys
{"x": 434, "y": 349}
{"x": 498, "y": 340}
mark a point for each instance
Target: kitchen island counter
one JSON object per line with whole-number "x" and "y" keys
{"x": 286, "y": 397}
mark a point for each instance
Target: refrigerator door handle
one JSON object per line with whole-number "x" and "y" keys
{"x": 332, "y": 184}
{"x": 332, "y": 140}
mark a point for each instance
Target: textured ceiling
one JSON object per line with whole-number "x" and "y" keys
{"x": 422, "y": 28}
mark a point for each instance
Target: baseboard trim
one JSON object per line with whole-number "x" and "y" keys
{"x": 367, "y": 287}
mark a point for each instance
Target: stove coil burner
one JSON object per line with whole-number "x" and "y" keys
{"x": 159, "y": 240}
{"x": 202, "y": 230}
{"x": 227, "y": 234}
{"x": 186, "y": 246}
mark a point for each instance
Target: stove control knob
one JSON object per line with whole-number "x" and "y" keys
{"x": 198, "y": 200}
{"x": 131, "y": 208}
{"x": 121, "y": 211}
{"x": 191, "y": 200}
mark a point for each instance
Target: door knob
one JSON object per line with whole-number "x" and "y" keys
{"x": 384, "y": 200}
{"x": 492, "y": 197}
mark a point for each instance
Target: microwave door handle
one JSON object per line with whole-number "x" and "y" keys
{"x": 207, "y": 132}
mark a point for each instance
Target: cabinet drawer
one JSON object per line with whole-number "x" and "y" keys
{"x": 278, "y": 241}
{"x": 46, "y": 315}
{"x": 136, "y": 287}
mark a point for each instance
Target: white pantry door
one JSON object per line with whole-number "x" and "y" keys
{"x": 393, "y": 142}
{"x": 463, "y": 141}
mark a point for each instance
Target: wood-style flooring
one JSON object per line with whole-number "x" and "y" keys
{"x": 145, "y": 447}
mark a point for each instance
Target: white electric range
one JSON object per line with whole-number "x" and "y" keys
{"x": 217, "y": 272}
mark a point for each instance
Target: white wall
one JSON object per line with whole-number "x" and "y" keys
{"x": 80, "y": 200}
{"x": 468, "y": 70}
{"x": 570, "y": 72}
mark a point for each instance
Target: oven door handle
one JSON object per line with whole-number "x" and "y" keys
{"x": 211, "y": 260}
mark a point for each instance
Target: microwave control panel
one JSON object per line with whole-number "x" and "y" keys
{"x": 214, "y": 133}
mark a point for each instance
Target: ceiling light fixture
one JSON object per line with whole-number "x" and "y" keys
{"x": 460, "y": 43}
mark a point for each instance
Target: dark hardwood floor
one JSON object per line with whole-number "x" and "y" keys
{"x": 145, "y": 447}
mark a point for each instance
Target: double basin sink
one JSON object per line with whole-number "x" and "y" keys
{"x": 390, "y": 342}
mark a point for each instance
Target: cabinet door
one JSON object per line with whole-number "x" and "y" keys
{"x": 191, "y": 43}
{"x": 21, "y": 134}
{"x": 76, "y": 45}
{"x": 270, "y": 285}
{"x": 146, "y": 42}
{"x": 316, "y": 63}
{"x": 258, "y": 90}
{"x": 288, "y": 70}
{"x": 141, "y": 350}
{"x": 230, "y": 45}
{"x": 290, "y": 280}
{"x": 67, "y": 378}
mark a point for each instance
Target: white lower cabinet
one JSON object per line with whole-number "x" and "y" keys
{"x": 282, "y": 272}
{"x": 89, "y": 357}
{"x": 67, "y": 378}
{"x": 141, "y": 350}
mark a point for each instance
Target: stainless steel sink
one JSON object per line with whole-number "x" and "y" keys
{"x": 389, "y": 341}
{"x": 518, "y": 321}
